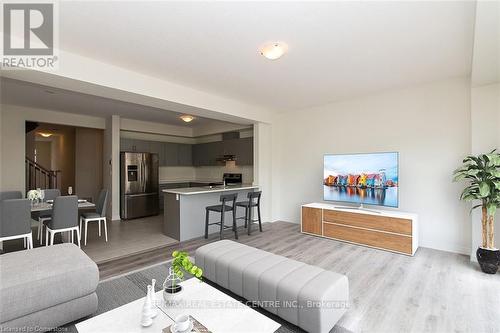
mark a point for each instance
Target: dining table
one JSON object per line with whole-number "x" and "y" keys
{"x": 44, "y": 206}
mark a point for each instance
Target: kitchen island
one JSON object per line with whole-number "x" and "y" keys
{"x": 184, "y": 209}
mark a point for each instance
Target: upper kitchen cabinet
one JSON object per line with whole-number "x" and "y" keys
{"x": 185, "y": 154}
{"x": 171, "y": 153}
{"x": 178, "y": 154}
{"x": 126, "y": 144}
{"x": 134, "y": 145}
{"x": 242, "y": 149}
{"x": 157, "y": 148}
{"x": 206, "y": 154}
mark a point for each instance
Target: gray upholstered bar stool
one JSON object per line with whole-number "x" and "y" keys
{"x": 64, "y": 219}
{"x": 253, "y": 201}
{"x": 228, "y": 205}
{"x": 15, "y": 220}
{"x": 49, "y": 194}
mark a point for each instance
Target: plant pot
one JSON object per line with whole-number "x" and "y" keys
{"x": 488, "y": 259}
{"x": 172, "y": 294}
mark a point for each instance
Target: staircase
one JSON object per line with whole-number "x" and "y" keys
{"x": 39, "y": 177}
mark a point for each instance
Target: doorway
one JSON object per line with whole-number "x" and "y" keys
{"x": 68, "y": 158}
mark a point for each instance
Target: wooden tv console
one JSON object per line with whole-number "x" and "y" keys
{"x": 387, "y": 230}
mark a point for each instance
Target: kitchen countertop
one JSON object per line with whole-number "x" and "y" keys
{"x": 203, "y": 190}
{"x": 174, "y": 181}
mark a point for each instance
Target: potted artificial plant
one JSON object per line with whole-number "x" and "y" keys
{"x": 482, "y": 174}
{"x": 180, "y": 264}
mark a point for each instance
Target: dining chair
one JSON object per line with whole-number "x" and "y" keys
{"x": 64, "y": 219}
{"x": 97, "y": 216}
{"x": 15, "y": 221}
{"x": 5, "y": 195}
{"x": 49, "y": 194}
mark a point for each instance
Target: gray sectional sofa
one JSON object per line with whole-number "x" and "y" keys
{"x": 304, "y": 295}
{"x": 46, "y": 287}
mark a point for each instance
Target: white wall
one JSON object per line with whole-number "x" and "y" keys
{"x": 115, "y": 167}
{"x": 263, "y": 167}
{"x": 429, "y": 125}
{"x": 150, "y": 127}
{"x": 485, "y": 136}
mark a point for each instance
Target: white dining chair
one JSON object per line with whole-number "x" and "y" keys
{"x": 64, "y": 219}
{"x": 15, "y": 221}
{"x": 44, "y": 216}
{"x": 98, "y": 216}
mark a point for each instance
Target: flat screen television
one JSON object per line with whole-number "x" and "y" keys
{"x": 364, "y": 179}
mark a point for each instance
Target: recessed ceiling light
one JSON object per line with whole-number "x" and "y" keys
{"x": 273, "y": 51}
{"x": 187, "y": 118}
{"x": 45, "y": 135}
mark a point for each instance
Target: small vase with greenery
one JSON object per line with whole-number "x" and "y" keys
{"x": 181, "y": 264}
{"x": 482, "y": 174}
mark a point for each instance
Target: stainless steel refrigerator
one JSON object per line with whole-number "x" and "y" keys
{"x": 139, "y": 185}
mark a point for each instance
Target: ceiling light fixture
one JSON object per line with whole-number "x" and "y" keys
{"x": 273, "y": 51}
{"x": 45, "y": 135}
{"x": 187, "y": 118}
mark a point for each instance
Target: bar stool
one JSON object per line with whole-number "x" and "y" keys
{"x": 248, "y": 205}
{"x": 228, "y": 205}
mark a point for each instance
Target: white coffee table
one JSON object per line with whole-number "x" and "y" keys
{"x": 211, "y": 307}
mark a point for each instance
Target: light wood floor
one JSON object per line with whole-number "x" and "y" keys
{"x": 124, "y": 238}
{"x": 433, "y": 291}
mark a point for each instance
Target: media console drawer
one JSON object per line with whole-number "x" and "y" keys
{"x": 382, "y": 240}
{"x": 385, "y": 223}
{"x": 387, "y": 230}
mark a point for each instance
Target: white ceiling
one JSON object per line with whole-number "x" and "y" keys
{"x": 336, "y": 49}
{"x": 38, "y": 96}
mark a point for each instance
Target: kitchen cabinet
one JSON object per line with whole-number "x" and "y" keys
{"x": 178, "y": 154}
{"x": 205, "y": 154}
{"x": 141, "y": 146}
{"x": 185, "y": 154}
{"x": 167, "y": 186}
{"x": 134, "y": 145}
{"x": 157, "y": 148}
{"x": 126, "y": 144}
{"x": 202, "y": 154}
{"x": 242, "y": 149}
{"x": 244, "y": 153}
{"x": 171, "y": 154}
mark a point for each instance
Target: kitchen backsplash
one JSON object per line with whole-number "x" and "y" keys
{"x": 204, "y": 173}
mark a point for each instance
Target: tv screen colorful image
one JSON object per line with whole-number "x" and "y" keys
{"x": 369, "y": 179}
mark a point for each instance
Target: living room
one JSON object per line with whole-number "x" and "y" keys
{"x": 320, "y": 85}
